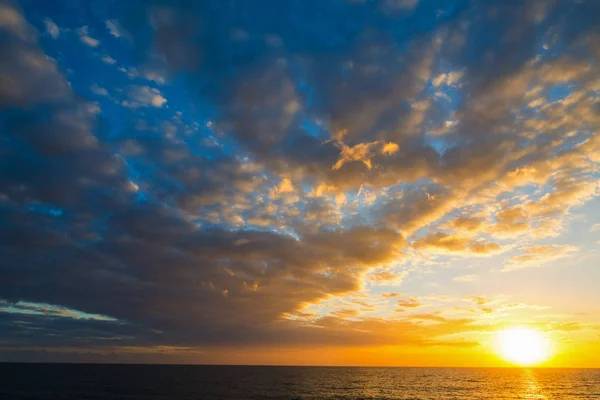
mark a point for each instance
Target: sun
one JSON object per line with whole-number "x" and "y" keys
{"x": 523, "y": 346}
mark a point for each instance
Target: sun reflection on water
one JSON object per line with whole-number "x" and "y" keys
{"x": 531, "y": 386}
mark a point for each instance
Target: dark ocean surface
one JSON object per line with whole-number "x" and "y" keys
{"x": 87, "y": 381}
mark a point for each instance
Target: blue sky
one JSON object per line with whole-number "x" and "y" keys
{"x": 192, "y": 175}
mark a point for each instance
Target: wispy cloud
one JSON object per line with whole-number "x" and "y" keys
{"x": 108, "y": 59}
{"x": 51, "y": 28}
{"x": 144, "y": 96}
{"x": 114, "y": 28}
{"x": 86, "y": 38}
{"x": 536, "y": 256}
{"x": 98, "y": 90}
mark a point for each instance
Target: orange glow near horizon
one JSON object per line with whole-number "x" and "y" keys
{"x": 259, "y": 187}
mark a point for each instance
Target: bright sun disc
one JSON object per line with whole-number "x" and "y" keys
{"x": 523, "y": 346}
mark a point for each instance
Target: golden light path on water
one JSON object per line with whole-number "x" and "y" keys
{"x": 531, "y": 387}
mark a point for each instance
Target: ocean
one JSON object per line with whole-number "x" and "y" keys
{"x": 181, "y": 382}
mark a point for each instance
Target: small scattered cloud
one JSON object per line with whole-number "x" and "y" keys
{"x": 362, "y": 153}
{"x": 479, "y": 300}
{"x": 154, "y": 77}
{"x": 284, "y": 186}
{"x": 387, "y": 277}
{"x": 408, "y": 302}
{"x": 86, "y": 38}
{"x": 98, "y": 90}
{"x": 449, "y": 79}
{"x": 144, "y": 96}
{"x": 390, "y": 295}
{"x": 51, "y": 28}
{"x": 108, "y": 59}
{"x": 390, "y": 148}
{"x": 114, "y": 28}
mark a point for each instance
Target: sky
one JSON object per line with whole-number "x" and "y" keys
{"x": 311, "y": 182}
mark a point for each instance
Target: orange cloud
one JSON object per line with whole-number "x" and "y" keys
{"x": 455, "y": 244}
{"x": 535, "y": 256}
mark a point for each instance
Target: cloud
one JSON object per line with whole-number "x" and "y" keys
{"x": 97, "y": 90}
{"x": 409, "y": 302}
{"x": 27, "y": 308}
{"x": 390, "y": 148}
{"x": 360, "y": 152}
{"x": 30, "y": 76}
{"x": 292, "y": 163}
{"x": 465, "y": 224}
{"x": 479, "y": 300}
{"x": 449, "y": 79}
{"x": 154, "y": 77}
{"x": 285, "y": 186}
{"x": 86, "y": 38}
{"x": 390, "y": 295}
{"x": 13, "y": 22}
{"x": 534, "y": 256}
{"x": 144, "y": 96}
{"x": 109, "y": 60}
{"x": 114, "y": 28}
{"x": 51, "y": 28}
{"x": 387, "y": 277}
{"x": 346, "y": 313}
{"x": 454, "y": 244}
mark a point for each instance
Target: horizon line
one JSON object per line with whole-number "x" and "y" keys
{"x": 290, "y": 365}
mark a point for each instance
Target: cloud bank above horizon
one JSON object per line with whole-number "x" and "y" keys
{"x": 177, "y": 176}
